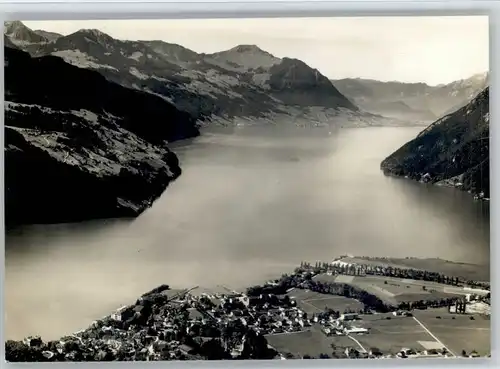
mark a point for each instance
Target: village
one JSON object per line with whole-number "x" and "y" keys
{"x": 325, "y": 310}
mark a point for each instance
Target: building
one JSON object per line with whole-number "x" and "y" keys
{"x": 349, "y": 316}
{"x": 186, "y": 349}
{"x": 356, "y": 330}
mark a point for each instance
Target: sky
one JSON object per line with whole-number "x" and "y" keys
{"x": 433, "y": 50}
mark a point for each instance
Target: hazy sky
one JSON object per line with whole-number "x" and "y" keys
{"x": 411, "y": 49}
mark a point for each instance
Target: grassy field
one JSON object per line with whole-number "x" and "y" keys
{"x": 396, "y": 290}
{"x": 402, "y": 290}
{"x": 458, "y": 332}
{"x": 312, "y": 343}
{"x": 314, "y": 302}
{"x": 428, "y": 329}
{"x": 392, "y": 335}
{"x": 323, "y": 277}
{"x": 338, "y": 303}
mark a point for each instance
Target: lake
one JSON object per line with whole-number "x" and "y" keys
{"x": 250, "y": 205}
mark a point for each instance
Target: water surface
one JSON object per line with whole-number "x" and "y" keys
{"x": 248, "y": 206}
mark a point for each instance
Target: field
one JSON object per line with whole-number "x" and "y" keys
{"x": 312, "y": 342}
{"x": 458, "y": 332}
{"x": 396, "y": 290}
{"x": 314, "y": 302}
{"x": 392, "y": 335}
{"x": 428, "y": 329}
{"x": 465, "y": 270}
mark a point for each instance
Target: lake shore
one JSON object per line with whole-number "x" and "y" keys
{"x": 158, "y": 325}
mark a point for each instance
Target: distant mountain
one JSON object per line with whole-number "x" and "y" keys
{"x": 454, "y": 150}
{"x": 80, "y": 147}
{"x": 411, "y": 100}
{"x": 244, "y": 82}
{"x": 464, "y": 90}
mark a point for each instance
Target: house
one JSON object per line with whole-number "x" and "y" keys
{"x": 374, "y": 351}
{"x": 431, "y": 352}
{"x": 327, "y": 331}
{"x": 349, "y": 316}
{"x": 186, "y": 349}
{"x": 356, "y": 330}
{"x": 245, "y": 300}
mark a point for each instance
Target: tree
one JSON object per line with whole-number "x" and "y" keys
{"x": 214, "y": 350}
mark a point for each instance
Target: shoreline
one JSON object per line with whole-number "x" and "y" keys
{"x": 152, "y": 328}
{"x": 444, "y": 183}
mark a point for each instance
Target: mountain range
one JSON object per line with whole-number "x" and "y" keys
{"x": 244, "y": 82}
{"x": 88, "y": 117}
{"x": 411, "y": 101}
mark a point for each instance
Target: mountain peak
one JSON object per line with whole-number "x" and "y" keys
{"x": 19, "y": 33}
{"x": 244, "y": 57}
{"x": 10, "y": 26}
{"x": 248, "y": 49}
{"x": 95, "y": 33}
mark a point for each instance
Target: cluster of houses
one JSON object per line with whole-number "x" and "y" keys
{"x": 266, "y": 314}
{"x": 404, "y": 353}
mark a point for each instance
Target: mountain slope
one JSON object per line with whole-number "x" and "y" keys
{"x": 243, "y": 82}
{"x": 80, "y": 147}
{"x": 8, "y": 43}
{"x": 422, "y": 101}
{"x": 49, "y": 36}
{"x": 453, "y": 150}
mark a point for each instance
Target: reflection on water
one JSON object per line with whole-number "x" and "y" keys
{"x": 248, "y": 207}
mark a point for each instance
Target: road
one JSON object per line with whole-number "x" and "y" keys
{"x": 433, "y": 336}
{"x": 358, "y": 343}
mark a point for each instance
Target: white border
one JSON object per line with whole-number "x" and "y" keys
{"x": 128, "y": 9}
